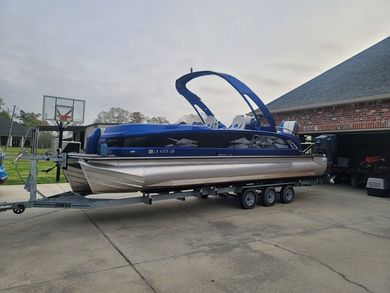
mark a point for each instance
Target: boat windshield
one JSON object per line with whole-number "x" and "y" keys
{"x": 1, "y": 158}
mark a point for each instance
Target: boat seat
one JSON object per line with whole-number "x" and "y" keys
{"x": 243, "y": 122}
{"x": 211, "y": 122}
{"x": 289, "y": 127}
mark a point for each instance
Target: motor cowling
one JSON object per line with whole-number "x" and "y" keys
{"x": 326, "y": 144}
{"x": 289, "y": 127}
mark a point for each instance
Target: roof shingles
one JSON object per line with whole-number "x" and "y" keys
{"x": 17, "y": 129}
{"x": 366, "y": 74}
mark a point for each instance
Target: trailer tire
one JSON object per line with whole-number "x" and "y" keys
{"x": 18, "y": 209}
{"x": 287, "y": 194}
{"x": 268, "y": 196}
{"x": 248, "y": 199}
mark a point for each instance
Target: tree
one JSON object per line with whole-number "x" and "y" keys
{"x": 4, "y": 114}
{"x": 137, "y": 117}
{"x": 189, "y": 119}
{"x": 114, "y": 115}
{"x": 30, "y": 119}
{"x": 120, "y": 115}
{"x": 45, "y": 138}
{"x": 157, "y": 120}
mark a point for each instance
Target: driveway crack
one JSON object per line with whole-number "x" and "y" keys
{"x": 120, "y": 252}
{"x": 320, "y": 262}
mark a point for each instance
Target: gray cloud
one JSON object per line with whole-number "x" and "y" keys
{"x": 294, "y": 67}
{"x": 129, "y": 54}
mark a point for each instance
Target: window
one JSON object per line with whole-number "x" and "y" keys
{"x": 245, "y": 140}
{"x": 229, "y": 139}
{"x": 183, "y": 139}
{"x": 268, "y": 142}
{"x": 232, "y": 139}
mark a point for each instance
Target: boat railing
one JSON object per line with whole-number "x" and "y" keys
{"x": 308, "y": 147}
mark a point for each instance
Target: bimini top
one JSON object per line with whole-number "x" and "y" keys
{"x": 245, "y": 92}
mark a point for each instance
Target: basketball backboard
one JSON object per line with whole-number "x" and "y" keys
{"x": 63, "y": 109}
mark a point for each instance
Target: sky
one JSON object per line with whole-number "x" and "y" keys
{"x": 129, "y": 53}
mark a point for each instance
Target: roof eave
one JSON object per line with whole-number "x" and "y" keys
{"x": 330, "y": 104}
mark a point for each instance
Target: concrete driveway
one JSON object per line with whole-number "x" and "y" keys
{"x": 330, "y": 239}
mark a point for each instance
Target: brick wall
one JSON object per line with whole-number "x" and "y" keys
{"x": 356, "y": 116}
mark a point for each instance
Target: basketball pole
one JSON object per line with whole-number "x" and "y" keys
{"x": 61, "y": 133}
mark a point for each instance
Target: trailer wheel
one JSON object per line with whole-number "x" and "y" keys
{"x": 268, "y": 197}
{"x": 19, "y": 209}
{"x": 287, "y": 194}
{"x": 248, "y": 199}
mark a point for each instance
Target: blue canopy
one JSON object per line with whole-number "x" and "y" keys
{"x": 240, "y": 87}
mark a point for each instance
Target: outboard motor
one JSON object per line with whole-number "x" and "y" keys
{"x": 289, "y": 127}
{"x": 327, "y": 144}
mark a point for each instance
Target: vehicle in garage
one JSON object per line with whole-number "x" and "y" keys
{"x": 360, "y": 156}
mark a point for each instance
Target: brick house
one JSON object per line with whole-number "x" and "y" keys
{"x": 351, "y": 100}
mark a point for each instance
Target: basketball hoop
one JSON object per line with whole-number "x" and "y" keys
{"x": 63, "y": 110}
{"x": 64, "y": 118}
{"x": 64, "y": 114}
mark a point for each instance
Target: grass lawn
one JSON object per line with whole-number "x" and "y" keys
{"x": 24, "y": 167}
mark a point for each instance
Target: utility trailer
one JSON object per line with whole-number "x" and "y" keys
{"x": 248, "y": 193}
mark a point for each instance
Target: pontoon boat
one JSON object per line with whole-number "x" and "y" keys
{"x": 145, "y": 157}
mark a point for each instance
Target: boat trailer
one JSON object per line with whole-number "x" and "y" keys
{"x": 247, "y": 193}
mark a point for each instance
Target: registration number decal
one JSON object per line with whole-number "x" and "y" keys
{"x": 161, "y": 152}
{"x": 62, "y": 205}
